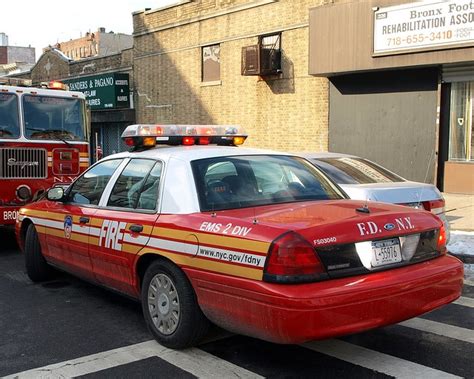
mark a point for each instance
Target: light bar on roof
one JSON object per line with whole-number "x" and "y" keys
{"x": 145, "y": 135}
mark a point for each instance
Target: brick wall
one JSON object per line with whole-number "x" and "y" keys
{"x": 50, "y": 66}
{"x": 95, "y": 44}
{"x": 285, "y": 112}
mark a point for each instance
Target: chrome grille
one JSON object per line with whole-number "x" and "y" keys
{"x": 21, "y": 163}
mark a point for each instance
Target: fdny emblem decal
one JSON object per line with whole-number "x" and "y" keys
{"x": 67, "y": 227}
{"x": 389, "y": 226}
{"x": 370, "y": 228}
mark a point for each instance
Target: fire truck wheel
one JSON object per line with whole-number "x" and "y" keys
{"x": 170, "y": 307}
{"x": 36, "y": 267}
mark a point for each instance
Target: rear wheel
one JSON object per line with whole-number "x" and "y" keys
{"x": 36, "y": 267}
{"x": 170, "y": 307}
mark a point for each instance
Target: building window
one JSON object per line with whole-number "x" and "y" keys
{"x": 461, "y": 139}
{"x": 211, "y": 63}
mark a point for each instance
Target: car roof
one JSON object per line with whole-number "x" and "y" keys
{"x": 191, "y": 153}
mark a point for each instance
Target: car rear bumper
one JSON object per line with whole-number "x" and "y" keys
{"x": 304, "y": 312}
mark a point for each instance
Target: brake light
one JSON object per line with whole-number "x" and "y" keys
{"x": 292, "y": 259}
{"x": 442, "y": 240}
{"x": 129, "y": 141}
{"x": 188, "y": 141}
{"x": 434, "y": 206}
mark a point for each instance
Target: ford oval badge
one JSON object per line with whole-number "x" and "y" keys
{"x": 389, "y": 226}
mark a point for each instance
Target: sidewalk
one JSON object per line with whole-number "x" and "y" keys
{"x": 460, "y": 211}
{"x": 460, "y": 215}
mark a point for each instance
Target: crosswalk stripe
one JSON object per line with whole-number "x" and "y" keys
{"x": 446, "y": 330}
{"x": 466, "y": 301}
{"x": 193, "y": 360}
{"x": 384, "y": 363}
{"x": 468, "y": 282}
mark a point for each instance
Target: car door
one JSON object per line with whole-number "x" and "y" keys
{"x": 124, "y": 222}
{"x": 68, "y": 242}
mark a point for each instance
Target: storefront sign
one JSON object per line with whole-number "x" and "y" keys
{"x": 424, "y": 25}
{"x": 105, "y": 91}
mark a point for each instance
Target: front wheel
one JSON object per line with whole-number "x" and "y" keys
{"x": 170, "y": 307}
{"x": 36, "y": 267}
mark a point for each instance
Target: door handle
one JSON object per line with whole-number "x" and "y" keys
{"x": 84, "y": 220}
{"x": 136, "y": 228}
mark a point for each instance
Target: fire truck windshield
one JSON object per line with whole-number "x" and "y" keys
{"x": 53, "y": 118}
{"x": 9, "y": 123}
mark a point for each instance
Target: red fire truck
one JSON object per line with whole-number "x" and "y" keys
{"x": 44, "y": 141}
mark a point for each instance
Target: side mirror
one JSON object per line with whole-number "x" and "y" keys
{"x": 55, "y": 194}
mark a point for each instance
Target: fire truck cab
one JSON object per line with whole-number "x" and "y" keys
{"x": 44, "y": 141}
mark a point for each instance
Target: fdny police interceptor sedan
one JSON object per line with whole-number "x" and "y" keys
{"x": 260, "y": 243}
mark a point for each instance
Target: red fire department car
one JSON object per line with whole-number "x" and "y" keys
{"x": 260, "y": 243}
{"x": 43, "y": 141}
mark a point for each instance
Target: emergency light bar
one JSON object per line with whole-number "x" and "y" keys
{"x": 143, "y": 135}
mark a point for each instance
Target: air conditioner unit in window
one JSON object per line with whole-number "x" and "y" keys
{"x": 260, "y": 60}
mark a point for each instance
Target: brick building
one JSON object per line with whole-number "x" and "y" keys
{"x": 95, "y": 44}
{"x": 101, "y": 79}
{"x": 14, "y": 59}
{"x": 187, "y": 68}
{"x": 354, "y": 76}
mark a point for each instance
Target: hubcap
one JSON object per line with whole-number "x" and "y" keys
{"x": 163, "y": 304}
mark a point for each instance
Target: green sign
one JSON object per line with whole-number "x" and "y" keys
{"x": 106, "y": 91}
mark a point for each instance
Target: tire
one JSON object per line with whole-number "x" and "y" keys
{"x": 170, "y": 307}
{"x": 36, "y": 267}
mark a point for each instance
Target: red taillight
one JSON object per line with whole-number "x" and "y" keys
{"x": 204, "y": 140}
{"x": 129, "y": 141}
{"x": 292, "y": 259}
{"x": 442, "y": 240}
{"x": 187, "y": 141}
{"x": 434, "y": 206}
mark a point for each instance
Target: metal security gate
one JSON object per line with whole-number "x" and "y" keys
{"x": 108, "y": 138}
{"x": 111, "y": 139}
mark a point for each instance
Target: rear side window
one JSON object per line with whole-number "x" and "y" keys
{"x": 137, "y": 186}
{"x": 245, "y": 181}
{"x": 89, "y": 187}
{"x": 355, "y": 171}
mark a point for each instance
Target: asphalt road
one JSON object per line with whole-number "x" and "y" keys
{"x": 67, "y": 327}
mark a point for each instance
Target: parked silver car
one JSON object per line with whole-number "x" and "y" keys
{"x": 362, "y": 179}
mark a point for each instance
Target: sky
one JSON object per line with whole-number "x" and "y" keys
{"x": 40, "y": 23}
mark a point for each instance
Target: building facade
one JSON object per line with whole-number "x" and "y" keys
{"x": 108, "y": 85}
{"x": 191, "y": 65}
{"x": 14, "y": 59}
{"x": 401, "y": 84}
{"x": 95, "y": 44}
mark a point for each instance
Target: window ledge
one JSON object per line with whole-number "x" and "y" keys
{"x": 213, "y": 83}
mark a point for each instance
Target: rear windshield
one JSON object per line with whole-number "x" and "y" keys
{"x": 348, "y": 170}
{"x": 245, "y": 181}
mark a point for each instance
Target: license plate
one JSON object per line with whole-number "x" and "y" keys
{"x": 386, "y": 252}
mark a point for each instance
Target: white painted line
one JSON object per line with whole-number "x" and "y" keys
{"x": 445, "y": 330}
{"x": 466, "y": 301}
{"x": 383, "y": 363}
{"x": 193, "y": 360}
{"x": 468, "y": 282}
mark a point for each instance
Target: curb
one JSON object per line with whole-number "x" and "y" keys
{"x": 465, "y": 258}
